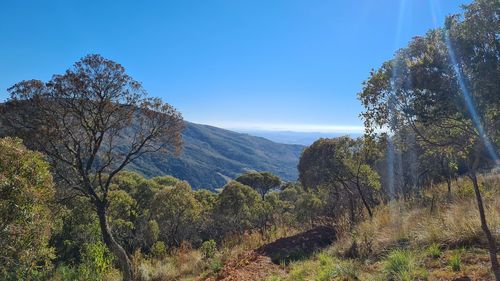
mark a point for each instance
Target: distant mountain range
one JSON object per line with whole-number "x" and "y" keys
{"x": 211, "y": 156}
{"x": 290, "y": 137}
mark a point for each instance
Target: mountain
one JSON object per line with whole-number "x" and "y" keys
{"x": 292, "y": 137}
{"x": 212, "y": 155}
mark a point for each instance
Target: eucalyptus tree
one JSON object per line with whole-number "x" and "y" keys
{"x": 445, "y": 86}
{"x": 177, "y": 213}
{"x": 262, "y": 182}
{"x": 26, "y": 218}
{"x": 342, "y": 166}
{"x": 91, "y": 122}
{"x": 238, "y": 209}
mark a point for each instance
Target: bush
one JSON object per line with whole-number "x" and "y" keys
{"x": 26, "y": 218}
{"x": 238, "y": 209}
{"x": 66, "y": 273}
{"x": 177, "y": 212}
{"x": 208, "y": 249}
{"x": 159, "y": 250}
{"x": 216, "y": 265}
{"x": 96, "y": 261}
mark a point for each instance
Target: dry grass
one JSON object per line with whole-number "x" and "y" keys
{"x": 183, "y": 264}
{"x": 188, "y": 264}
{"x": 450, "y": 223}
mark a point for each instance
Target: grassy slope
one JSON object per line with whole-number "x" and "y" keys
{"x": 413, "y": 241}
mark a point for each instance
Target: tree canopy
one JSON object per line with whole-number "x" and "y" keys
{"x": 26, "y": 219}
{"x": 262, "y": 182}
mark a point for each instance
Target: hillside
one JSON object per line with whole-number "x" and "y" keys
{"x": 212, "y": 155}
{"x": 406, "y": 241}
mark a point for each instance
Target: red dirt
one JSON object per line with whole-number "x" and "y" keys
{"x": 262, "y": 262}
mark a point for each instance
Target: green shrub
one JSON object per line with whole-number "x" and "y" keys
{"x": 66, "y": 273}
{"x": 159, "y": 250}
{"x": 325, "y": 267}
{"x": 96, "y": 261}
{"x": 216, "y": 265}
{"x": 208, "y": 249}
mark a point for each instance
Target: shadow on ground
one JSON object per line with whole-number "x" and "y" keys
{"x": 300, "y": 246}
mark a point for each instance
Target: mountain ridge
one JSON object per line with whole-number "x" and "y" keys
{"x": 212, "y": 155}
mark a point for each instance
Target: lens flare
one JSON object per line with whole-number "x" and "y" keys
{"x": 468, "y": 100}
{"x": 469, "y": 103}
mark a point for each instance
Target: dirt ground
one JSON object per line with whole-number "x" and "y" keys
{"x": 266, "y": 260}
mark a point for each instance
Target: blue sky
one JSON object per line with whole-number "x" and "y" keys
{"x": 255, "y": 64}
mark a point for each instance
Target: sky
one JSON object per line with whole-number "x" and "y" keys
{"x": 255, "y": 64}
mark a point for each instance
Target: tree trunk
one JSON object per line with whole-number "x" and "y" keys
{"x": 448, "y": 182}
{"x": 491, "y": 240}
{"x": 352, "y": 211}
{"x": 367, "y": 206}
{"x": 113, "y": 246}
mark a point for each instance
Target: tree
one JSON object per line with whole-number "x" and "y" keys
{"x": 208, "y": 202}
{"x": 262, "y": 182}
{"x": 238, "y": 209}
{"x": 177, "y": 212}
{"x": 341, "y": 166}
{"x": 26, "y": 191}
{"x": 123, "y": 218}
{"x": 129, "y": 214}
{"x": 91, "y": 122}
{"x": 445, "y": 87}
{"x": 308, "y": 206}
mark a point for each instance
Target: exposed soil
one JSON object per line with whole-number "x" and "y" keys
{"x": 264, "y": 261}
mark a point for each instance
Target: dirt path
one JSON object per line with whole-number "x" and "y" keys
{"x": 264, "y": 261}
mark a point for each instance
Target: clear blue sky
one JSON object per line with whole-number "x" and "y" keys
{"x": 276, "y": 64}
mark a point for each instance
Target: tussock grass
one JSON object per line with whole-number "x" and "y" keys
{"x": 434, "y": 250}
{"x": 456, "y": 261}
{"x": 183, "y": 264}
{"x": 403, "y": 265}
{"x": 324, "y": 267}
{"x": 447, "y": 223}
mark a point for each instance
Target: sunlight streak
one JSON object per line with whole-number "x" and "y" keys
{"x": 463, "y": 88}
{"x": 468, "y": 101}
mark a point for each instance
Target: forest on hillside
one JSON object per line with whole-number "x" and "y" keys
{"x": 415, "y": 198}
